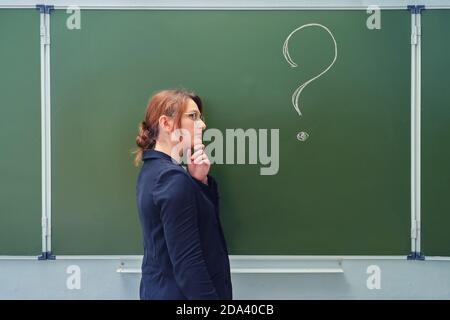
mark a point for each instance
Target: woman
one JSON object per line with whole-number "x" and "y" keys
{"x": 185, "y": 255}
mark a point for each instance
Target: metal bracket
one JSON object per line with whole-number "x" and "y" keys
{"x": 43, "y": 30}
{"x": 415, "y": 9}
{"x": 47, "y": 256}
{"x": 416, "y": 256}
{"x": 44, "y": 8}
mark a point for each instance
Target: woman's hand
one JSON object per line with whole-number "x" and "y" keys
{"x": 198, "y": 163}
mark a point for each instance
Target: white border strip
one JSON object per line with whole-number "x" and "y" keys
{"x": 35, "y": 258}
{"x": 413, "y": 132}
{"x": 318, "y": 257}
{"x": 286, "y": 270}
{"x": 99, "y": 257}
{"x": 45, "y": 132}
{"x": 237, "y": 257}
{"x": 232, "y": 257}
{"x": 44, "y": 220}
{"x": 228, "y": 4}
{"x": 418, "y": 133}
{"x": 437, "y": 258}
{"x": 259, "y": 270}
{"x": 48, "y": 142}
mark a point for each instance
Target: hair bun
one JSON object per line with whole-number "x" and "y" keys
{"x": 144, "y": 139}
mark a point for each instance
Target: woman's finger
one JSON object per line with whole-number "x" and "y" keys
{"x": 199, "y": 146}
{"x": 198, "y": 160}
{"x": 206, "y": 161}
{"x": 197, "y": 154}
{"x": 201, "y": 158}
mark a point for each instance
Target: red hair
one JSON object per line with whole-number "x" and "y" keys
{"x": 171, "y": 103}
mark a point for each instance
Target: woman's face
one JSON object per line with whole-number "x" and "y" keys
{"x": 192, "y": 125}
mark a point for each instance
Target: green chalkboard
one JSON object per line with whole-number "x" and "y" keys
{"x": 345, "y": 190}
{"x": 20, "y": 133}
{"x": 435, "y": 133}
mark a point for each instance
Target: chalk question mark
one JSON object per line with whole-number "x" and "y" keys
{"x": 295, "y": 96}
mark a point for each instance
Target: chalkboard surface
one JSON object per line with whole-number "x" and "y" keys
{"x": 435, "y": 133}
{"x": 344, "y": 190}
{"x": 20, "y": 133}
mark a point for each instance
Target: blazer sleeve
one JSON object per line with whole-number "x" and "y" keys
{"x": 211, "y": 190}
{"x": 174, "y": 195}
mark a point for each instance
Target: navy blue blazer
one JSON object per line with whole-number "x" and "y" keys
{"x": 185, "y": 254}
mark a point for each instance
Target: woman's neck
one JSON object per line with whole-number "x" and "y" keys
{"x": 161, "y": 147}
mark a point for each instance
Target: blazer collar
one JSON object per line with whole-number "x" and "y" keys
{"x": 155, "y": 154}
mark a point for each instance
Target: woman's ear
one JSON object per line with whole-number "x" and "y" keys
{"x": 166, "y": 123}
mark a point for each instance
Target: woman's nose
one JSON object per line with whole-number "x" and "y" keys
{"x": 202, "y": 125}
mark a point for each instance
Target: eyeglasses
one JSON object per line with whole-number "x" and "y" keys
{"x": 194, "y": 116}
